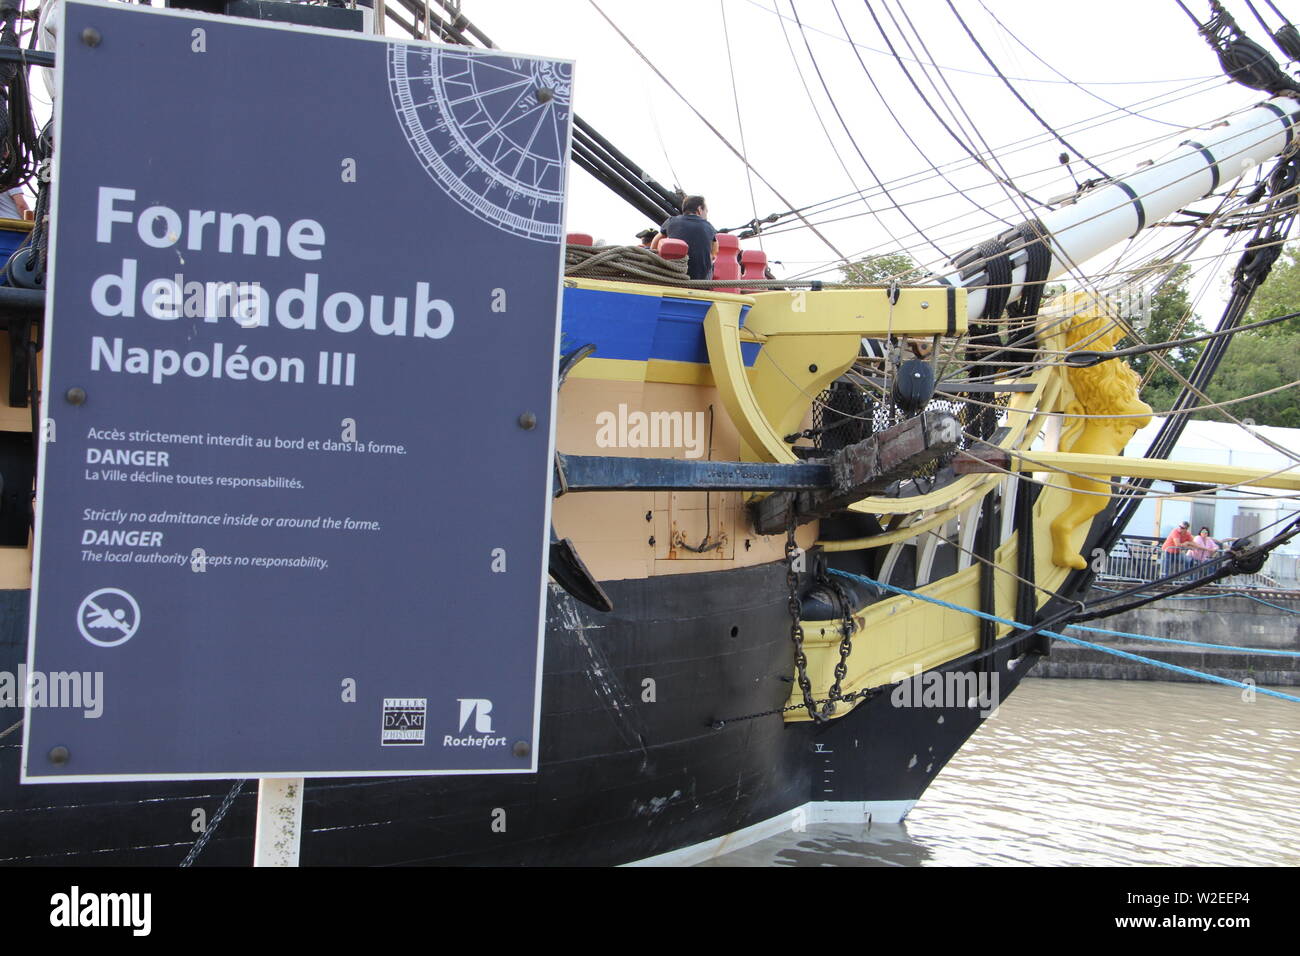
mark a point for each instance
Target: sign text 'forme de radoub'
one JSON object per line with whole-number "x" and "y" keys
{"x": 305, "y": 289}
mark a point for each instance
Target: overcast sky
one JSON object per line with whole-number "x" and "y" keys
{"x": 1123, "y": 52}
{"x": 825, "y": 111}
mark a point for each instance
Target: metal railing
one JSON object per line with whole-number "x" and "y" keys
{"x": 1137, "y": 558}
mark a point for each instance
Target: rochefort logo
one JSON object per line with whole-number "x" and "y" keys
{"x": 475, "y": 711}
{"x": 404, "y": 721}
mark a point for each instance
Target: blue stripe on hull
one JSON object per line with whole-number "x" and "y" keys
{"x": 640, "y": 327}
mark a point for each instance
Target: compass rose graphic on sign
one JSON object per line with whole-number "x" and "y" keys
{"x": 108, "y": 617}
{"x": 491, "y": 129}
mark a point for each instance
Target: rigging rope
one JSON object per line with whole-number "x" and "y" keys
{"x": 921, "y": 177}
{"x": 18, "y": 133}
{"x": 934, "y": 266}
{"x": 1208, "y": 597}
{"x": 740, "y": 125}
{"x": 982, "y": 615}
{"x": 994, "y": 566}
{"x": 713, "y": 129}
{"x": 979, "y": 159}
{"x": 1252, "y": 269}
{"x": 1242, "y": 58}
{"x": 1018, "y": 79}
{"x": 1004, "y": 178}
{"x": 1023, "y": 102}
{"x": 852, "y": 141}
{"x": 591, "y": 151}
{"x": 1081, "y": 87}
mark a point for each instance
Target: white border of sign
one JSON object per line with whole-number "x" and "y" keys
{"x": 47, "y": 398}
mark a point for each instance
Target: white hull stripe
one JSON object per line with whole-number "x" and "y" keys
{"x": 852, "y": 811}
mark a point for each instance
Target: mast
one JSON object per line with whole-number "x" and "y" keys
{"x": 1122, "y": 208}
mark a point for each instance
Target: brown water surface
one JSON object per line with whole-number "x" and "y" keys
{"x": 1076, "y": 772}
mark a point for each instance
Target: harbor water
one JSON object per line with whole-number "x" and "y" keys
{"x": 1092, "y": 773}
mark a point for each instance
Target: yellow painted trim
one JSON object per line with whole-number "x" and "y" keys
{"x": 1180, "y": 471}
{"x": 802, "y": 354}
{"x": 678, "y": 373}
{"x": 919, "y": 310}
{"x": 905, "y": 636}
{"x": 792, "y": 370}
{"x": 814, "y": 337}
{"x": 658, "y": 291}
{"x": 610, "y": 370}
{"x": 903, "y": 633}
{"x": 974, "y": 490}
{"x": 666, "y": 371}
{"x": 900, "y": 623}
{"x": 759, "y": 440}
{"x": 811, "y": 339}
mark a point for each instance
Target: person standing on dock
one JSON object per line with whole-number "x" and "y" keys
{"x": 694, "y": 228}
{"x": 1177, "y": 547}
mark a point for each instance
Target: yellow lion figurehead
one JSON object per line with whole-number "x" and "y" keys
{"x": 1109, "y": 387}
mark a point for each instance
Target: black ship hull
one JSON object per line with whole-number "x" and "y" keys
{"x": 648, "y": 746}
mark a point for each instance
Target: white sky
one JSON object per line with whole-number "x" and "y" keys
{"x": 1125, "y": 51}
{"x": 1142, "y": 53}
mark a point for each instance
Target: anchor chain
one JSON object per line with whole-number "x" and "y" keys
{"x": 865, "y": 694}
{"x": 796, "y": 623}
{"x": 818, "y": 710}
{"x": 847, "y": 626}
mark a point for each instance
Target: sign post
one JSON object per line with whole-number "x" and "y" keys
{"x": 278, "y": 837}
{"x": 300, "y": 353}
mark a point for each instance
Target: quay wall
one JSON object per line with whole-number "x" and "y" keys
{"x": 1267, "y": 620}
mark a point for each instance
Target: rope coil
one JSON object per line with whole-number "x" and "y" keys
{"x": 623, "y": 262}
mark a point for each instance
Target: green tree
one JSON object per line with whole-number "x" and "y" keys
{"x": 878, "y": 270}
{"x": 1171, "y": 317}
{"x": 1255, "y": 363}
{"x": 1279, "y": 295}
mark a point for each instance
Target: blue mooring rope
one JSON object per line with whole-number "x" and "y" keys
{"x": 1207, "y": 597}
{"x": 1201, "y": 675}
{"x": 1174, "y": 640}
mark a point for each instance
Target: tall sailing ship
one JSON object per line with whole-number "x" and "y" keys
{"x": 780, "y": 504}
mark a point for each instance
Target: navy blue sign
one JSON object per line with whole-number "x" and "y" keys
{"x": 294, "y": 499}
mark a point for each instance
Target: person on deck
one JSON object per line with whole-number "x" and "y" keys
{"x": 1203, "y": 548}
{"x": 13, "y": 204}
{"x": 646, "y": 238}
{"x": 693, "y": 227}
{"x": 1176, "y": 548}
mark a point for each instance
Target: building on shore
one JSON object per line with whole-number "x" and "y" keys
{"x": 1231, "y": 513}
